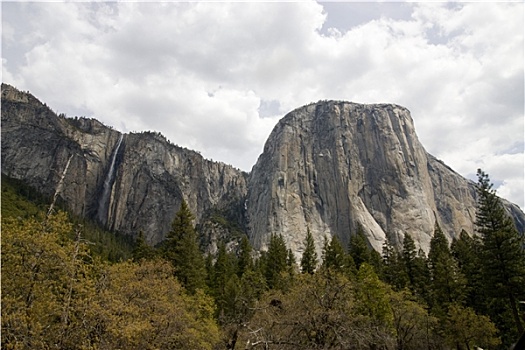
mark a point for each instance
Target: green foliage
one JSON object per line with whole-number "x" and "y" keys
{"x": 373, "y": 296}
{"x": 245, "y": 261}
{"x": 416, "y": 267}
{"x": 464, "y": 329}
{"x": 503, "y": 257}
{"x": 309, "y": 258}
{"x": 358, "y": 248}
{"x": 59, "y": 296}
{"x": 182, "y": 250}
{"x": 467, "y": 252}
{"x": 142, "y": 250}
{"x": 335, "y": 258}
{"x": 275, "y": 262}
{"x": 45, "y": 271}
{"x": 448, "y": 283}
{"x": 414, "y": 328}
{"x": 224, "y": 272}
{"x": 395, "y": 272}
{"x": 318, "y": 312}
{"x": 22, "y": 201}
{"x": 142, "y": 306}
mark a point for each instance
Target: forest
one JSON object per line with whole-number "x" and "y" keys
{"x": 67, "y": 284}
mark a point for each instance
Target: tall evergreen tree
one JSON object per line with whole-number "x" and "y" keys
{"x": 466, "y": 250}
{"x": 182, "y": 249}
{"x": 408, "y": 256}
{"x": 142, "y": 250}
{"x": 291, "y": 263}
{"x": 503, "y": 258}
{"x": 245, "y": 261}
{"x": 224, "y": 272}
{"x": 309, "y": 258}
{"x": 334, "y": 254}
{"x": 415, "y": 265}
{"x": 275, "y": 261}
{"x": 394, "y": 271}
{"x": 358, "y": 248}
{"x": 448, "y": 283}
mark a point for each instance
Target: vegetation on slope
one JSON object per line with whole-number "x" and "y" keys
{"x": 63, "y": 292}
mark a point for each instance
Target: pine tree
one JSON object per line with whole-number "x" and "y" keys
{"x": 275, "y": 261}
{"x": 448, "y": 283}
{"x": 245, "y": 261}
{"x": 224, "y": 271}
{"x": 334, "y": 255}
{"x": 358, "y": 248}
{"x": 309, "y": 258}
{"x": 503, "y": 259}
{"x": 142, "y": 249}
{"x": 394, "y": 271}
{"x": 467, "y": 252}
{"x": 408, "y": 257}
{"x": 415, "y": 265}
{"x": 182, "y": 249}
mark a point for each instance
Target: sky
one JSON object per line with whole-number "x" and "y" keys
{"x": 216, "y": 77}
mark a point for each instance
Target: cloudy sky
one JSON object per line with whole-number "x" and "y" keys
{"x": 216, "y": 77}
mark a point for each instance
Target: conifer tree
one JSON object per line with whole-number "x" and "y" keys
{"x": 182, "y": 249}
{"x": 358, "y": 248}
{"x": 394, "y": 271}
{"x": 225, "y": 282}
{"x": 409, "y": 255}
{"x": 503, "y": 258}
{"x": 291, "y": 262}
{"x": 415, "y": 265}
{"x": 334, "y": 254}
{"x": 245, "y": 261}
{"x": 275, "y": 261}
{"x": 467, "y": 252}
{"x": 142, "y": 250}
{"x": 309, "y": 258}
{"x": 448, "y": 283}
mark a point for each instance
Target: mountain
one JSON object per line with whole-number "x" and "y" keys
{"x": 128, "y": 182}
{"x": 331, "y": 166}
{"x": 327, "y": 167}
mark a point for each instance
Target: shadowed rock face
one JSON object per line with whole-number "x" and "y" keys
{"x": 151, "y": 176}
{"x": 331, "y": 166}
{"x": 327, "y": 166}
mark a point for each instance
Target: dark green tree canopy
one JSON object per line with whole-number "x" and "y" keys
{"x": 503, "y": 257}
{"x": 182, "y": 249}
{"x": 309, "y": 258}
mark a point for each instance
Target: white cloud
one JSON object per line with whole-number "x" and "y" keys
{"x": 199, "y": 72}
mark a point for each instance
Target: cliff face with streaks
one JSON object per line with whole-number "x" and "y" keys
{"x": 128, "y": 182}
{"x": 328, "y": 167}
{"x": 331, "y": 166}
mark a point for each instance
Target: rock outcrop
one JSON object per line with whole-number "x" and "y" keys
{"x": 326, "y": 167}
{"x": 147, "y": 176}
{"x": 331, "y": 166}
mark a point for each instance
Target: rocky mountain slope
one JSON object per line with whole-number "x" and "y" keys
{"x": 128, "y": 182}
{"x": 331, "y": 166}
{"x": 327, "y": 167}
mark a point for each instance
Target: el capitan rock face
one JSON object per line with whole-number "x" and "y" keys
{"x": 328, "y": 166}
{"x": 331, "y": 166}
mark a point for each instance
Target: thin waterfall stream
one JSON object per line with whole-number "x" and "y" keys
{"x": 103, "y": 204}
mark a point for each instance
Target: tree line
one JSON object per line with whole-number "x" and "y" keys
{"x": 464, "y": 294}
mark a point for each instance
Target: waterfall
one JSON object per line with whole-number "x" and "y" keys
{"x": 103, "y": 204}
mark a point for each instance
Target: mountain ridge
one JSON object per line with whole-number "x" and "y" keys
{"x": 380, "y": 176}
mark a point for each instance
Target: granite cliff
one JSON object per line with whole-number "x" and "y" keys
{"x": 128, "y": 182}
{"x": 331, "y": 166}
{"x": 328, "y": 167}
